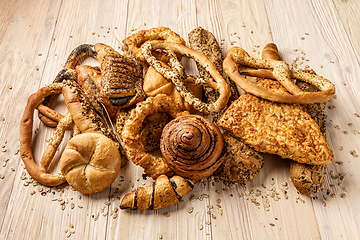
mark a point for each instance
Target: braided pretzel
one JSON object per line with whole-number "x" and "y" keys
{"x": 177, "y": 74}
{"x": 280, "y": 72}
{"x": 26, "y": 126}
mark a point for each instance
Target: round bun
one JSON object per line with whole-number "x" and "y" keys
{"x": 307, "y": 179}
{"x": 90, "y": 162}
{"x": 192, "y": 146}
{"x": 242, "y": 163}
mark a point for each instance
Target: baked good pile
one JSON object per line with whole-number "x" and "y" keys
{"x": 142, "y": 100}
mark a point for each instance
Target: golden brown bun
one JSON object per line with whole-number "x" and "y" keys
{"x": 176, "y": 74}
{"x": 308, "y": 179}
{"x": 155, "y": 83}
{"x": 192, "y": 146}
{"x": 90, "y": 162}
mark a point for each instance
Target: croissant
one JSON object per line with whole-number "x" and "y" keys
{"x": 163, "y": 193}
{"x": 192, "y": 146}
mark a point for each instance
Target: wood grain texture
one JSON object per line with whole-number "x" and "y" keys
{"x": 37, "y": 36}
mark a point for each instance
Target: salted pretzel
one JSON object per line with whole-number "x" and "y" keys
{"x": 132, "y": 44}
{"x": 175, "y": 72}
{"x": 279, "y": 70}
{"x": 26, "y": 126}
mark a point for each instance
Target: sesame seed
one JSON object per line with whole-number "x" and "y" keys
{"x": 353, "y": 153}
{"x": 190, "y": 210}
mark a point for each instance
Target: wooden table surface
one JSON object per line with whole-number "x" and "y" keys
{"x": 37, "y": 36}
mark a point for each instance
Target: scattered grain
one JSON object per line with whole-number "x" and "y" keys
{"x": 354, "y": 154}
{"x": 167, "y": 214}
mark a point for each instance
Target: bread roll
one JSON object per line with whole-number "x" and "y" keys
{"x": 241, "y": 164}
{"x": 90, "y": 162}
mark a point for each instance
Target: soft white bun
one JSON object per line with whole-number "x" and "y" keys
{"x": 90, "y": 162}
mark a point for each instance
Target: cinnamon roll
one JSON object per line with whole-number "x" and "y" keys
{"x": 192, "y": 146}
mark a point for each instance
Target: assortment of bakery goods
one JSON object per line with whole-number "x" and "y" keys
{"x": 307, "y": 179}
{"x": 156, "y": 104}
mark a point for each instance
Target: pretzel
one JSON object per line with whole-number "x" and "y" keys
{"x": 280, "y": 71}
{"x": 26, "y": 127}
{"x": 133, "y": 43}
{"x": 135, "y": 149}
{"x": 177, "y": 75}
